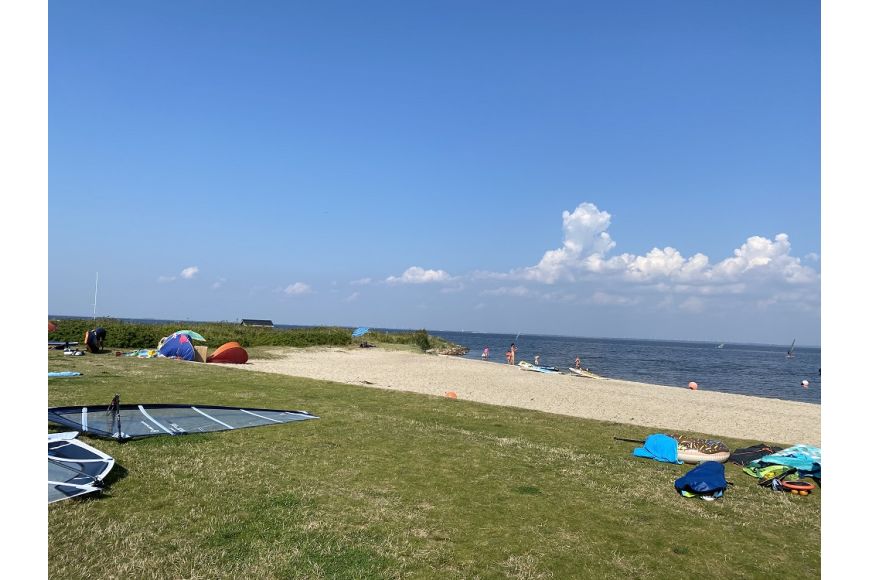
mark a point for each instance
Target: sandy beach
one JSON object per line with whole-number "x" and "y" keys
{"x": 659, "y": 407}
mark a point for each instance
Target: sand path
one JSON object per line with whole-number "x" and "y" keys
{"x": 658, "y": 407}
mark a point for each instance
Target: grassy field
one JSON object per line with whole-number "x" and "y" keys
{"x": 396, "y": 485}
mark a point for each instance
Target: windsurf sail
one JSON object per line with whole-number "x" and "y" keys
{"x": 74, "y": 468}
{"x": 790, "y": 353}
{"x": 134, "y": 421}
{"x": 359, "y": 331}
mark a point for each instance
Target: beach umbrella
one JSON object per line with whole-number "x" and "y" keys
{"x": 51, "y": 326}
{"x": 359, "y": 331}
{"x": 193, "y": 335}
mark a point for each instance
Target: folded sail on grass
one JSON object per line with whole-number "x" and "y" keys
{"x": 125, "y": 422}
{"x": 74, "y": 468}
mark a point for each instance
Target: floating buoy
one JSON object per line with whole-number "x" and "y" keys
{"x": 805, "y": 384}
{"x": 450, "y": 395}
{"x": 693, "y": 385}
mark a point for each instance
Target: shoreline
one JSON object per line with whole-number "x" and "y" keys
{"x": 659, "y": 407}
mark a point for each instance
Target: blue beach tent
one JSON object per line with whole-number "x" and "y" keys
{"x": 177, "y": 345}
{"x": 359, "y": 331}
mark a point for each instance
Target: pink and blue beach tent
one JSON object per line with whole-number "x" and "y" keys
{"x": 177, "y": 345}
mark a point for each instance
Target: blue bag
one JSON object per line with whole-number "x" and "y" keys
{"x": 706, "y": 480}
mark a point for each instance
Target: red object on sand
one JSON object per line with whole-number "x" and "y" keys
{"x": 231, "y": 352}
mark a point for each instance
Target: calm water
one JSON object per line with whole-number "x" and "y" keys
{"x": 746, "y": 369}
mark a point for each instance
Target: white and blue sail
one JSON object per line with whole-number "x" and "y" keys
{"x": 74, "y": 468}
{"x": 134, "y": 421}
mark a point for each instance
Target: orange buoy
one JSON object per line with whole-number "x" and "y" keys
{"x": 693, "y": 385}
{"x": 450, "y": 395}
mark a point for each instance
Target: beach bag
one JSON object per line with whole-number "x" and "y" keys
{"x": 707, "y": 481}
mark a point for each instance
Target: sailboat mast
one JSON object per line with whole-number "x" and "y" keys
{"x": 96, "y": 287}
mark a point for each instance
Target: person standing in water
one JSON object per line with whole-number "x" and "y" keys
{"x": 485, "y": 352}
{"x": 577, "y": 363}
{"x": 537, "y": 360}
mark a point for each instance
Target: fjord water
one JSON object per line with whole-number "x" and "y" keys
{"x": 745, "y": 369}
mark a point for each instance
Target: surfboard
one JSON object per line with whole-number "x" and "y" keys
{"x": 584, "y": 373}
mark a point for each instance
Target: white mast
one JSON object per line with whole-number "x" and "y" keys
{"x": 96, "y": 286}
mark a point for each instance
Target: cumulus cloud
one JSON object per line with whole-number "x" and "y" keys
{"x": 584, "y": 234}
{"x": 417, "y": 275}
{"x": 586, "y": 244}
{"x": 189, "y": 273}
{"x": 297, "y": 288}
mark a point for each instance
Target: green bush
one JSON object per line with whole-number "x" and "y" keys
{"x": 135, "y": 335}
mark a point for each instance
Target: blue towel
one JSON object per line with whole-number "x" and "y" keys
{"x": 63, "y": 374}
{"x": 659, "y": 447}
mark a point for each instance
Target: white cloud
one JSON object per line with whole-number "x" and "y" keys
{"x": 586, "y": 243}
{"x": 297, "y": 289}
{"x": 218, "y": 283}
{"x": 417, "y": 275}
{"x": 164, "y": 279}
{"x": 361, "y": 282}
{"x": 584, "y": 234}
{"x": 352, "y": 297}
{"x": 507, "y": 291}
{"x": 189, "y": 273}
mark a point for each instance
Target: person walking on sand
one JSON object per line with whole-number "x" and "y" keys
{"x": 513, "y": 353}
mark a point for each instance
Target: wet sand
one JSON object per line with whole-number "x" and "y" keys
{"x": 660, "y": 408}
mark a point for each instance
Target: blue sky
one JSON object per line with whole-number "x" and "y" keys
{"x": 626, "y": 169}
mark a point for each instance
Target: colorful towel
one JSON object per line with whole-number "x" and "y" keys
{"x": 60, "y": 374}
{"x": 805, "y": 458}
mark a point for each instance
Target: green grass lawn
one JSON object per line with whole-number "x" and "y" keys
{"x": 399, "y": 485}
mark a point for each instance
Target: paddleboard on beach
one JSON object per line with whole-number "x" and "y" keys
{"x": 526, "y": 366}
{"x": 584, "y": 373}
